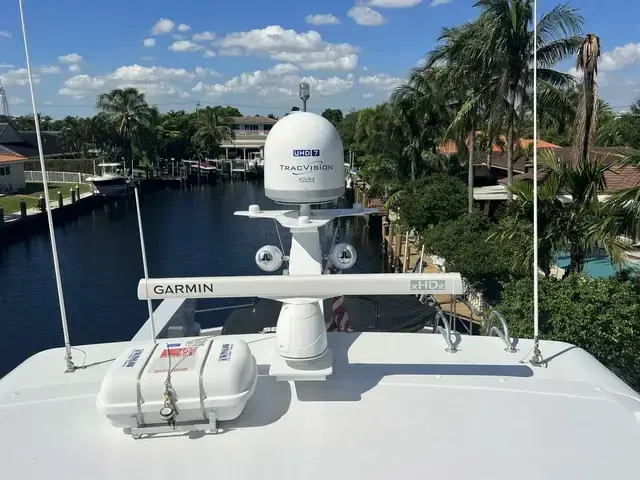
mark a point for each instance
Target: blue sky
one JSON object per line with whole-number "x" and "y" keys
{"x": 616, "y": 23}
{"x": 251, "y": 53}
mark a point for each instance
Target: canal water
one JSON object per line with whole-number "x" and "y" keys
{"x": 188, "y": 232}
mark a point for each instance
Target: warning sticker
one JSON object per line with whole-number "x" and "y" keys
{"x": 178, "y": 352}
{"x": 177, "y": 356}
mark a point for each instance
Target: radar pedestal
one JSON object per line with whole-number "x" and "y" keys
{"x": 304, "y": 166}
{"x": 302, "y": 351}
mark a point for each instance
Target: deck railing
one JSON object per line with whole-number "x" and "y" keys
{"x": 60, "y": 177}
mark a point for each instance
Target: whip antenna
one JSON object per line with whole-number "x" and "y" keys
{"x": 144, "y": 263}
{"x": 52, "y": 236}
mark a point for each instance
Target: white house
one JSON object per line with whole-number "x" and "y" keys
{"x": 251, "y": 133}
{"x": 11, "y": 170}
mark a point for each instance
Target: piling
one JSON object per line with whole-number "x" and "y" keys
{"x": 1, "y": 216}
{"x": 73, "y": 196}
{"x": 397, "y": 248}
{"x": 60, "y": 202}
{"x": 23, "y": 208}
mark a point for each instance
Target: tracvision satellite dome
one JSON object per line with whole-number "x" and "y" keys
{"x": 304, "y": 160}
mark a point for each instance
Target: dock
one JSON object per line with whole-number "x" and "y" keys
{"x": 397, "y": 246}
{"x": 401, "y": 254}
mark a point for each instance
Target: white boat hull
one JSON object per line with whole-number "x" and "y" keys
{"x": 111, "y": 188}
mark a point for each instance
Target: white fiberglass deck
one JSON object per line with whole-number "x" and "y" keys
{"x": 397, "y": 406}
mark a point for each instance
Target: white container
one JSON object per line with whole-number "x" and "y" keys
{"x": 211, "y": 378}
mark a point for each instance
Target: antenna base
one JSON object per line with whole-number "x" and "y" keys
{"x": 70, "y": 365}
{"x": 314, "y": 370}
{"x": 536, "y": 357}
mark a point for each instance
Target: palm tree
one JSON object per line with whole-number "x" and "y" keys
{"x": 587, "y": 63}
{"x": 129, "y": 112}
{"x": 212, "y": 130}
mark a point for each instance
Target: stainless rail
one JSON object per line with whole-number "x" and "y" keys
{"x": 445, "y": 331}
{"x": 503, "y": 334}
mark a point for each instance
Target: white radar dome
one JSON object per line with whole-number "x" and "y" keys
{"x": 304, "y": 160}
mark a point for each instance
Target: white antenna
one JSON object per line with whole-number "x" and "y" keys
{"x": 536, "y": 359}
{"x": 56, "y": 266}
{"x": 144, "y": 263}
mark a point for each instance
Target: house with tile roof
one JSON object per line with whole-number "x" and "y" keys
{"x": 11, "y": 170}
{"x": 24, "y": 142}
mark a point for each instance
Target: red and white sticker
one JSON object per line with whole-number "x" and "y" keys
{"x": 178, "y": 352}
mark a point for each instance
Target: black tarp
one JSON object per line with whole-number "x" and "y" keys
{"x": 366, "y": 313}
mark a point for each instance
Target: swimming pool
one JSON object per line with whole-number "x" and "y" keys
{"x": 598, "y": 266}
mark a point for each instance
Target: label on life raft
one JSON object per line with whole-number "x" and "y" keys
{"x": 179, "y": 357}
{"x": 133, "y": 357}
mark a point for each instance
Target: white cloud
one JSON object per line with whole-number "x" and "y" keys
{"x": 81, "y": 85}
{"x": 366, "y": 16}
{"x": 71, "y": 58}
{"x": 273, "y": 38}
{"x": 18, "y": 76}
{"x": 6, "y": 65}
{"x": 322, "y": 19}
{"x": 368, "y": 95}
{"x": 138, "y": 73}
{"x": 283, "y": 69}
{"x": 395, "y": 3}
{"x": 5, "y": 33}
{"x": 279, "y": 80}
{"x": 154, "y": 81}
{"x": 205, "y": 72}
{"x": 185, "y": 46}
{"x": 179, "y": 37}
{"x": 435, "y": 3}
{"x": 49, "y": 69}
{"x": 15, "y": 100}
{"x": 307, "y": 50}
{"x": 162, "y": 26}
{"x": 203, "y": 36}
{"x": 149, "y": 42}
{"x": 75, "y": 68}
{"x": 620, "y": 57}
{"x": 329, "y": 59}
{"x": 231, "y": 52}
{"x": 183, "y": 27}
{"x": 380, "y": 81}
{"x": 48, "y": 102}
{"x": 209, "y": 54}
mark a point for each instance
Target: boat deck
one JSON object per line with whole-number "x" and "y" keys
{"x": 397, "y": 406}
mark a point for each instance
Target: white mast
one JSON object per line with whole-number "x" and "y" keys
{"x": 54, "y": 250}
{"x": 4, "y": 102}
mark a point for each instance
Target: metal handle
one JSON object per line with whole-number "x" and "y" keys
{"x": 503, "y": 334}
{"x": 445, "y": 331}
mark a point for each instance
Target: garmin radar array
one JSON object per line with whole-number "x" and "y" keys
{"x": 303, "y": 166}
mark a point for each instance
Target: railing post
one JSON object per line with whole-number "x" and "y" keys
{"x": 79, "y": 177}
{"x": 43, "y": 203}
{"x": 60, "y": 202}
{"x": 23, "y": 208}
{"x": 1, "y": 216}
{"x": 73, "y": 196}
